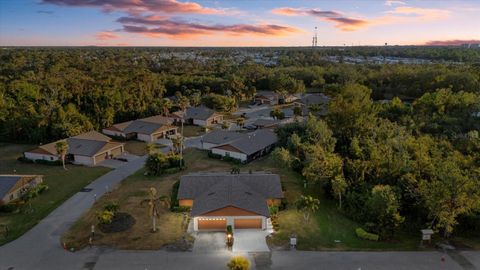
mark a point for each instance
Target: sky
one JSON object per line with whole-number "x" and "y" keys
{"x": 237, "y": 22}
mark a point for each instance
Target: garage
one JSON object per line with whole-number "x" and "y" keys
{"x": 247, "y": 223}
{"x": 116, "y": 151}
{"x": 218, "y": 224}
{"x": 100, "y": 158}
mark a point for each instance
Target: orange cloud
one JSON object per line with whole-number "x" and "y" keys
{"x": 137, "y": 6}
{"x": 106, "y": 35}
{"x": 151, "y": 27}
{"x": 398, "y": 15}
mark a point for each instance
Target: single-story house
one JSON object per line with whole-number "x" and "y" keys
{"x": 147, "y": 129}
{"x": 89, "y": 148}
{"x": 265, "y": 123}
{"x": 221, "y": 199}
{"x": 313, "y": 100}
{"x": 202, "y": 116}
{"x": 12, "y": 187}
{"x": 248, "y": 147}
{"x": 219, "y": 137}
{"x": 267, "y": 97}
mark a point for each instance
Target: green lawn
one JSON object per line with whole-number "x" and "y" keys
{"x": 62, "y": 185}
{"x": 192, "y": 131}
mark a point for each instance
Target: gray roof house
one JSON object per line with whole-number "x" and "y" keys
{"x": 219, "y": 137}
{"x": 202, "y": 116}
{"x": 89, "y": 148}
{"x": 12, "y": 187}
{"x": 220, "y": 199}
{"x": 248, "y": 146}
{"x": 147, "y": 129}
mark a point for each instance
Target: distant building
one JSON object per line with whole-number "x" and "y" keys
{"x": 267, "y": 97}
{"x": 12, "y": 187}
{"x": 89, "y": 149}
{"x": 202, "y": 116}
{"x": 147, "y": 129}
{"x": 249, "y": 146}
{"x": 307, "y": 101}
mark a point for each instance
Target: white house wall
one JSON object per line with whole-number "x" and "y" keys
{"x": 144, "y": 137}
{"x": 36, "y": 156}
{"x": 236, "y": 155}
{"x": 83, "y": 160}
{"x": 197, "y": 122}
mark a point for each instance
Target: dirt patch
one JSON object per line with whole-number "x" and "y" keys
{"x": 120, "y": 223}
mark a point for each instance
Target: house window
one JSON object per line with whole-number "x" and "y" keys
{"x": 51, "y": 158}
{"x": 227, "y": 154}
{"x": 11, "y": 197}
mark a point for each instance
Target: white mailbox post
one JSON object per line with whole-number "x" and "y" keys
{"x": 427, "y": 235}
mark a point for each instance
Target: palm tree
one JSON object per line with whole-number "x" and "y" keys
{"x": 153, "y": 208}
{"x": 166, "y": 106}
{"x": 150, "y": 147}
{"x": 307, "y": 204}
{"x": 177, "y": 143}
{"x": 183, "y": 103}
{"x": 62, "y": 148}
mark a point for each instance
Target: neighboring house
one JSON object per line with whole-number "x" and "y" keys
{"x": 221, "y": 199}
{"x": 249, "y": 146}
{"x": 147, "y": 129}
{"x": 89, "y": 148}
{"x": 219, "y": 137}
{"x": 289, "y": 98}
{"x": 202, "y": 116}
{"x": 266, "y": 123}
{"x": 12, "y": 187}
{"x": 267, "y": 97}
{"x": 307, "y": 101}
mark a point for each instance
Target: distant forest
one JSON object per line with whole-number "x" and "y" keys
{"x": 52, "y": 93}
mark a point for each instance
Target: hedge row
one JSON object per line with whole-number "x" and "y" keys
{"x": 366, "y": 235}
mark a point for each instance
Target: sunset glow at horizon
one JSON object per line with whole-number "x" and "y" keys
{"x": 237, "y": 22}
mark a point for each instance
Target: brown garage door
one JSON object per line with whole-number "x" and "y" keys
{"x": 212, "y": 224}
{"x": 117, "y": 151}
{"x": 247, "y": 223}
{"x": 100, "y": 158}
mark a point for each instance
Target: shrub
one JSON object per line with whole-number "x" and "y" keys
{"x": 8, "y": 208}
{"x": 25, "y": 160}
{"x": 112, "y": 207}
{"x": 181, "y": 209}
{"x": 213, "y": 155}
{"x": 361, "y": 233}
{"x": 105, "y": 217}
{"x": 238, "y": 263}
{"x": 229, "y": 229}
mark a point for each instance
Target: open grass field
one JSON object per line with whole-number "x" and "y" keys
{"x": 62, "y": 185}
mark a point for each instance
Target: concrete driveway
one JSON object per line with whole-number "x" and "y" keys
{"x": 250, "y": 241}
{"x": 112, "y": 163}
{"x": 193, "y": 142}
{"x": 209, "y": 242}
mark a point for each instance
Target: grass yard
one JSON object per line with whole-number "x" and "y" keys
{"x": 136, "y": 147}
{"x": 192, "y": 131}
{"x": 62, "y": 185}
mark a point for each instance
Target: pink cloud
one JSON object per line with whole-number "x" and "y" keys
{"x": 152, "y": 27}
{"x": 138, "y": 6}
{"x": 341, "y": 21}
{"x": 106, "y": 35}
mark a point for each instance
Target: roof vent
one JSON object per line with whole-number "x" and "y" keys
{"x": 210, "y": 194}
{"x": 248, "y": 193}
